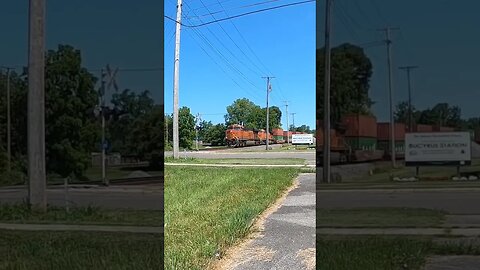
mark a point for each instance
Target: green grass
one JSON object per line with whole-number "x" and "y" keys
{"x": 379, "y": 217}
{"x": 23, "y": 250}
{"x": 372, "y": 253}
{"x": 210, "y": 209}
{"x": 384, "y": 173}
{"x": 383, "y": 252}
{"x": 239, "y": 161}
{"x": 20, "y": 213}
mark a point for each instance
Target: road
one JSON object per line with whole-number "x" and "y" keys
{"x": 450, "y": 200}
{"x": 132, "y": 197}
{"x": 309, "y": 156}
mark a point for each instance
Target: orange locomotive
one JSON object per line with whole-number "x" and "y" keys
{"x": 237, "y": 136}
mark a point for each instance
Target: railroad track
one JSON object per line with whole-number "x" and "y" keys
{"x": 137, "y": 180}
{"x": 148, "y": 180}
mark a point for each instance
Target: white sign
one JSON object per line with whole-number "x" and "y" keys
{"x": 438, "y": 147}
{"x": 302, "y": 138}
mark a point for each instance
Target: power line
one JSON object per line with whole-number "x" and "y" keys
{"x": 253, "y": 53}
{"x": 221, "y": 68}
{"x": 240, "y": 15}
{"x": 223, "y": 29}
{"x": 240, "y": 7}
{"x": 222, "y": 56}
{"x": 379, "y": 13}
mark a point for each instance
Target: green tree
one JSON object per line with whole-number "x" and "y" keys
{"x": 186, "y": 128}
{"x": 215, "y": 134}
{"x": 441, "y": 114}
{"x": 71, "y": 131}
{"x": 303, "y": 128}
{"x": 203, "y": 129}
{"x": 148, "y": 133}
{"x": 401, "y": 113}
{"x": 168, "y": 127}
{"x": 275, "y": 118}
{"x": 128, "y": 106}
{"x": 243, "y": 111}
{"x": 351, "y": 71}
{"x": 251, "y": 115}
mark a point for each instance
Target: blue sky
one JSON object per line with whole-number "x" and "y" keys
{"x": 439, "y": 36}
{"x": 124, "y": 34}
{"x": 217, "y": 65}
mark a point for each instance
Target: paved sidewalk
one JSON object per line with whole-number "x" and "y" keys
{"x": 453, "y": 263}
{"x": 400, "y": 231}
{"x": 288, "y": 239}
{"x": 95, "y": 228}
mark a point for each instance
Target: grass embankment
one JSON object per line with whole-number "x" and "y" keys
{"x": 208, "y": 210}
{"x": 380, "y": 218}
{"x": 383, "y": 252}
{"x": 384, "y": 173}
{"x": 23, "y": 250}
{"x": 20, "y": 213}
{"x": 238, "y": 161}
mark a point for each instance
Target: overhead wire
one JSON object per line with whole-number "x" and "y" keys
{"x": 222, "y": 56}
{"x": 241, "y": 15}
{"x": 240, "y": 7}
{"x": 208, "y": 43}
{"x": 248, "y": 46}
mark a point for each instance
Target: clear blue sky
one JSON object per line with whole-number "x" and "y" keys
{"x": 283, "y": 45}
{"x": 439, "y": 36}
{"x": 125, "y": 34}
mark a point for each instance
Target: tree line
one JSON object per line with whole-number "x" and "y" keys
{"x": 241, "y": 111}
{"x": 351, "y": 71}
{"x": 73, "y": 131}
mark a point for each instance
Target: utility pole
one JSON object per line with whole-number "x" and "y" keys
{"x": 286, "y": 113}
{"x": 326, "y": 101}
{"x": 102, "y": 107}
{"x": 410, "y": 122}
{"x": 9, "y": 128}
{"x": 36, "y": 106}
{"x": 197, "y": 126}
{"x": 176, "y": 81}
{"x": 293, "y": 116}
{"x": 269, "y": 89}
{"x": 388, "y": 41}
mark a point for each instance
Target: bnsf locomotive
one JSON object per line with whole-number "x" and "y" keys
{"x": 237, "y": 136}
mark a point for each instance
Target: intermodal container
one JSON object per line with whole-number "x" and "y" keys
{"x": 277, "y": 132}
{"x": 422, "y": 128}
{"x": 335, "y": 141}
{"x": 383, "y": 131}
{"x": 361, "y": 143}
{"x": 360, "y": 126}
{"x": 385, "y": 145}
{"x": 442, "y": 129}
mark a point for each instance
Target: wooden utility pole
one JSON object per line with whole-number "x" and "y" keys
{"x": 9, "y": 124}
{"x": 410, "y": 122}
{"x": 286, "y": 113}
{"x": 388, "y": 41}
{"x": 269, "y": 89}
{"x": 326, "y": 101}
{"x": 36, "y": 106}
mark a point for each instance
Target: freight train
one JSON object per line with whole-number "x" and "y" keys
{"x": 360, "y": 138}
{"x": 238, "y": 136}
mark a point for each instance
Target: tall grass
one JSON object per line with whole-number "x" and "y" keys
{"x": 207, "y": 210}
